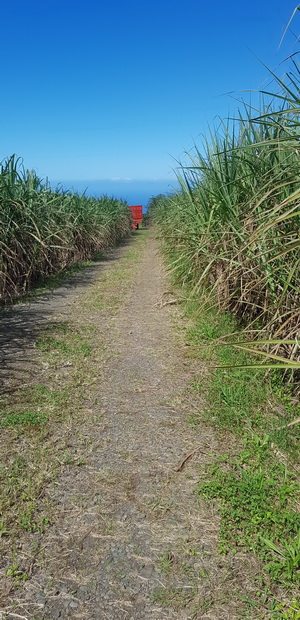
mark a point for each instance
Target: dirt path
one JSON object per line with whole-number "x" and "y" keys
{"x": 129, "y": 540}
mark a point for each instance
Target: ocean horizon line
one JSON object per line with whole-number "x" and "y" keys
{"x": 134, "y": 192}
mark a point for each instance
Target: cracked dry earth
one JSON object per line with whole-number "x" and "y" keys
{"x": 130, "y": 540}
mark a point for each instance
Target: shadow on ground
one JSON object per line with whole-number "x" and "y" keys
{"x": 21, "y": 324}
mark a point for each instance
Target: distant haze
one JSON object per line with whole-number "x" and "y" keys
{"x": 133, "y": 191}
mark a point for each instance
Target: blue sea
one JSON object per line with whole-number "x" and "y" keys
{"x": 135, "y": 192}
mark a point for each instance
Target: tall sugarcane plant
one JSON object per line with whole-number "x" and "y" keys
{"x": 233, "y": 228}
{"x": 42, "y": 230}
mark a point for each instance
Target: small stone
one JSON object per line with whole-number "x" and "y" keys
{"x": 73, "y": 604}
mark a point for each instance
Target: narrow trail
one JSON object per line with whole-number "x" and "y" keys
{"x": 130, "y": 540}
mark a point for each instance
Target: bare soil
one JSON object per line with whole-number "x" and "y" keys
{"x": 128, "y": 538}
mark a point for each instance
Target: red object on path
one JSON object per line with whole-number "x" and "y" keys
{"x": 137, "y": 215}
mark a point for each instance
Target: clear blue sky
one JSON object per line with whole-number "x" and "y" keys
{"x": 92, "y": 90}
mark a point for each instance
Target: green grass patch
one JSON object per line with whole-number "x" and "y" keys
{"x": 255, "y": 485}
{"x": 287, "y": 611}
{"x": 21, "y": 507}
{"x": 65, "y": 340}
{"x": 166, "y": 562}
{"x": 246, "y": 401}
{"x": 33, "y": 406}
{"x": 21, "y": 418}
{"x": 176, "y": 598}
{"x": 258, "y": 500}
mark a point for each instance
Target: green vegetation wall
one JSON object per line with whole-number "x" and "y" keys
{"x": 42, "y": 231}
{"x": 232, "y": 232}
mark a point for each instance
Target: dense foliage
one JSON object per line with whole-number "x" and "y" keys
{"x": 42, "y": 230}
{"x": 232, "y": 231}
